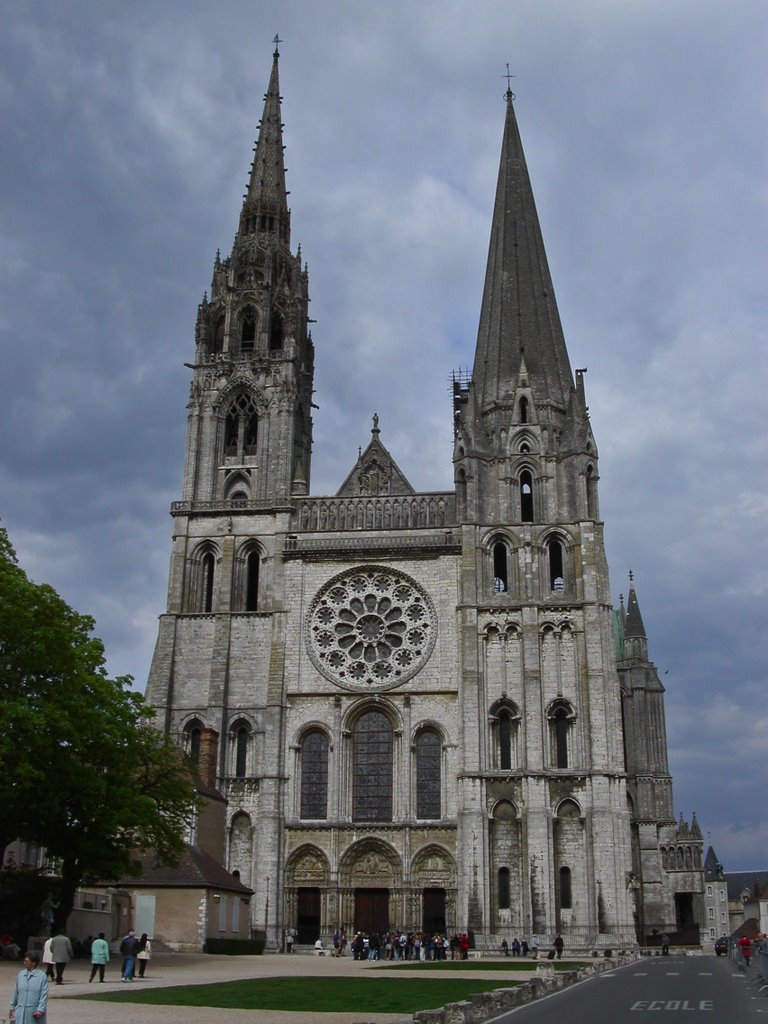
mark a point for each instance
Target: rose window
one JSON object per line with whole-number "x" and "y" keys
{"x": 371, "y": 628}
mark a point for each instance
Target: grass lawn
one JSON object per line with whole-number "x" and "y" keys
{"x": 318, "y": 995}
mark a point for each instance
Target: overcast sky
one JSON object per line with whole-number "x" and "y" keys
{"x": 127, "y": 131}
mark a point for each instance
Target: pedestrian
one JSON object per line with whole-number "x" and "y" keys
{"x": 61, "y": 951}
{"x": 289, "y": 941}
{"x": 664, "y": 944}
{"x": 48, "y": 960}
{"x": 145, "y": 953}
{"x": 558, "y": 944}
{"x": 30, "y": 993}
{"x": 99, "y": 957}
{"x": 505, "y": 947}
{"x": 515, "y": 946}
{"x": 746, "y": 948}
{"x": 534, "y": 947}
{"x": 129, "y": 947}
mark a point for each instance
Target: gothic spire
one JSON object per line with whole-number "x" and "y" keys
{"x": 519, "y": 312}
{"x": 266, "y": 198}
{"x": 633, "y": 624}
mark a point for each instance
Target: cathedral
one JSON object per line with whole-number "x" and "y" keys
{"x": 422, "y": 709}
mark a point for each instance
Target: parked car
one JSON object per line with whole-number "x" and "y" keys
{"x": 721, "y": 945}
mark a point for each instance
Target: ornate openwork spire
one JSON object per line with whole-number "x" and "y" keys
{"x": 265, "y": 205}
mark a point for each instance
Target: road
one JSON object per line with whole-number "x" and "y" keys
{"x": 698, "y": 989}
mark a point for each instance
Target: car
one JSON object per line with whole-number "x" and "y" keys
{"x": 721, "y": 945}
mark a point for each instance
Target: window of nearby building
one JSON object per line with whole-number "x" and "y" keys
{"x": 709, "y": 890}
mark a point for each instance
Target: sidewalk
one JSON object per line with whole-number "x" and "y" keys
{"x": 167, "y": 969}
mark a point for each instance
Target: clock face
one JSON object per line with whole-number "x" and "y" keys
{"x": 370, "y": 628}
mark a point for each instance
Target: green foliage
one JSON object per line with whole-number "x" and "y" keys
{"x": 85, "y": 772}
{"x": 235, "y": 947}
{"x": 315, "y": 995}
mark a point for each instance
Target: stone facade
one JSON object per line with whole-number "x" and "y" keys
{"x": 417, "y": 696}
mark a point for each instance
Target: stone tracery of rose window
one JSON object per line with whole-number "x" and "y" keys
{"x": 371, "y": 628}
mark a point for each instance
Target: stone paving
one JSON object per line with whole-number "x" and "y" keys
{"x": 185, "y": 969}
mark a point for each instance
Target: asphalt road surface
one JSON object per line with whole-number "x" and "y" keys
{"x": 697, "y": 989}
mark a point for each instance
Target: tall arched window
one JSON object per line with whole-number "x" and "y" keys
{"x": 560, "y": 724}
{"x": 207, "y": 573}
{"x": 428, "y": 774}
{"x": 241, "y": 427}
{"x": 526, "y": 497}
{"x": 503, "y": 889}
{"x": 523, "y": 406}
{"x": 193, "y": 733}
{"x": 276, "y": 333}
{"x": 500, "y": 568}
{"x": 248, "y": 330}
{"x": 314, "y": 775}
{"x": 461, "y": 493}
{"x": 241, "y": 751}
{"x": 566, "y": 898}
{"x": 505, "y": 740}
{"x": 217, "y": 339}
{"x": 591, "y": 492}
{"x": 556, "y": 570}
{"x": 372, "y": 768}
{"x": 252, "y": 581}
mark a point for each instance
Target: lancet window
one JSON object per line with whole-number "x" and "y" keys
{"x": 314, "y": 775}
{"x": 241, "y": 427}
{"x": 372, "y": 768}
{"x": 428, "y": 774}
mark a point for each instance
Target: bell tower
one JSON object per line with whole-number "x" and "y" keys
{"x": 249, "y": 434}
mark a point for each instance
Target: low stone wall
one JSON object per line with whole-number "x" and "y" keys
{"x": 478, "y": 1007}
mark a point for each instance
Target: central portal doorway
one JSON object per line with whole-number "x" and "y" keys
{"x": 308, "y": 916}
{"x": 433, "y": 911}
{"x": 371, "y": 910}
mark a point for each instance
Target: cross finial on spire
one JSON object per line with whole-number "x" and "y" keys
{"x": 631, "y": 575}
{"x": 277, "y": 40}
{"x": 509, "y": 76}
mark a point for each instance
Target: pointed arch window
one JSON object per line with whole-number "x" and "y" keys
{"x": 526, "y": 497}
{"x": 523, "y": 406}
{"x": 591, "y": 492}
{"x": 217, "y": 339}
{"x": 314, "y": 775}
{"x": 428, "y": 775}
{"x": 372, "y": 768}
{"x": 461, "y": 493}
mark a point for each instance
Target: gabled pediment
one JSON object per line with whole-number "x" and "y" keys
{"x": 375, "y": 471}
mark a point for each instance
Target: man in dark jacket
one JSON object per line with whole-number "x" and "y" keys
{"x": 129, "y": 947}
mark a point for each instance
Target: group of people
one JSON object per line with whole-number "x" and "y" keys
{"x": 520, "y": 947}
{"x": 395, "y": 945}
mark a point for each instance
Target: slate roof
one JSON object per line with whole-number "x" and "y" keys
{"x": 196, "y": 870}
{"x": 738, "y": 881}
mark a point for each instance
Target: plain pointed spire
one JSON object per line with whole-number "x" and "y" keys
{"x": 633, "y": 624}
{"x": 519, "y": 317}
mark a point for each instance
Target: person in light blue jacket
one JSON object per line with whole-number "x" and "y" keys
{"x": 99, "y": 956}
{"x": 30, "y": 993}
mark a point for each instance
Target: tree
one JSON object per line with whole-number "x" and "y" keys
{"x": 85, "y": 772}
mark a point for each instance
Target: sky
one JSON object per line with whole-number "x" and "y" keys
{"x": 126, "y": 133}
